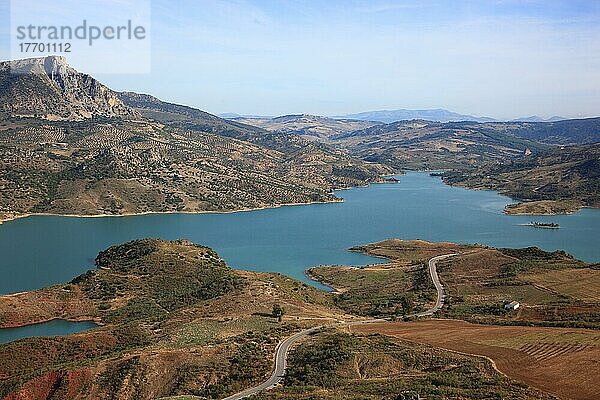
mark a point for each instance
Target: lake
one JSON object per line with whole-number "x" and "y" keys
{"x": 56, "y": 327}
{"x": 42, "y": 250}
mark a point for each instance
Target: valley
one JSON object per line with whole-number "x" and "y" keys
{"x": 469, "y": 304}
{"x": 550, "y": 166}
{"x": 121, "y": 153}
{"x": 104, "y": 163}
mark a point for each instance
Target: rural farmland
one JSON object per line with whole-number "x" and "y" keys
{"x": 561, "y": 361}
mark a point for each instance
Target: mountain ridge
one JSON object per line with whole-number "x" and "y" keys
{"x": 535, "y": 118}
{"x": 437, "y": 115}
{"x": 407, "y": 115}
{"x": 308, "y": 126}
{"x": 49, "y": 88}
{"x": 556, "y": 181}
{"x": 151, "y": 156}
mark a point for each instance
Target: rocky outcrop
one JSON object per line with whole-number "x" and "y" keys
{"x": 49, "y": 88}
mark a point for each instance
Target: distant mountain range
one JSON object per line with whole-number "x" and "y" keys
{"x": 308, "y": 126}
{"x": 435, "y": 115}
{"x": 535, "y": 118}
{"x": 235, "y": 115}
{"x": 389, "y": 116}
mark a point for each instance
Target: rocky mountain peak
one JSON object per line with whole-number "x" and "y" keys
{"x": 49, "y": 88}
{"x": 49, "y": 65}
{"x": 56, "y": 67}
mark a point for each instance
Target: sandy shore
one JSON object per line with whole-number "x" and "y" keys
{"x": 95, "y": 320}
{"x": 541, "y": 214}
{"x": 19, "y": 216}
{"x": 338, "y": 200}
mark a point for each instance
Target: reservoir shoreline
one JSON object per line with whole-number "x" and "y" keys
{"x": 506, "y": 211}
{"x": 27, "y": 215}
{"x": 54, "y": 248}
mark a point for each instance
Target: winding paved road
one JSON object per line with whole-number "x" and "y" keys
{"x": 284, "y": 347}
{"x": 439, "y": 303}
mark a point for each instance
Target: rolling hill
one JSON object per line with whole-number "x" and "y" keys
{"x": 567, "y": 132}
{"x": 555, "y": 181}
{"x": 422, "y": 144}
{"x": 434, "y": 115}
{"x": 310, "y": 127}
{"x": 174, "y": 320}
{"x": 120, "y": 153}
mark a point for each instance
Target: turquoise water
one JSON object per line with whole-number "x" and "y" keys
{"x": 43, "y": 250}
{"x": 56, "y": 327}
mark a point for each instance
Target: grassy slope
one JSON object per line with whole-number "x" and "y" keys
{"x": 556, "y": 181}
{"x": 336, "y": 365}
{"x": 177, "y": 321}
{"x": 477, "y": 283}
{"x": 116, "y": 167}
{"x": 174, "y": 320}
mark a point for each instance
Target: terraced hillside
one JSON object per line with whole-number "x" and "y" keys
{"x": 70, "y": 145}
{"x": 560, "y": 361}
{"x": 556, "y": 181}
{"x": 110, "y": 166}
{"x": 421, "y": 144}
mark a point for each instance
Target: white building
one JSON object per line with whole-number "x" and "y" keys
{"x": 513, "y": 305}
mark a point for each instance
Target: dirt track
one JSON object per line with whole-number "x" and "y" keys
{"x": 560, "y": 361}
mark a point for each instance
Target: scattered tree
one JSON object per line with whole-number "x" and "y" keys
{"x": 277, "y": 312}
{"x": 408, "y": 304}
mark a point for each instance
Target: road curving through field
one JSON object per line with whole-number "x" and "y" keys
{"x": 284, "y": 347}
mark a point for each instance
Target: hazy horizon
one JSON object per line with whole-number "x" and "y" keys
{"x": 500, "y": 59}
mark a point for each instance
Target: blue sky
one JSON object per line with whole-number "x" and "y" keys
{"x": 503, "y": 59}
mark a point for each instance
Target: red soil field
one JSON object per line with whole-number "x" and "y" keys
{"x": 560, "y": 361}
